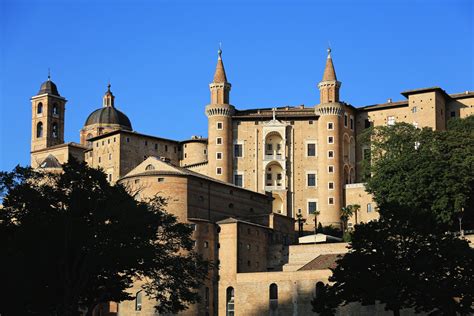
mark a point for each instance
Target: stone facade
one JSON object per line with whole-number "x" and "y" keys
{"x": 243, "y": 185}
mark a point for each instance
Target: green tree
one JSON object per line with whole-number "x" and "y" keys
{"x": 71, "y": 241}
{"x": 346, "y": 213}
{"x": 403, "y": 265}
{"x": 424, "y": 169}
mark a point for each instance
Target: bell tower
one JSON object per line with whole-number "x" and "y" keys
{"x": 48, "y": 110}
{"x": 219, "y": 113}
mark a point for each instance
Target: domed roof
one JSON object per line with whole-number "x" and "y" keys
{"x": 49, "y": 87}
{"x": 108, "y": 115}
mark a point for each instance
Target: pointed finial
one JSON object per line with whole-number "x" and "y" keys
{"x": 108, "y": 86}
{"x": 219, "y": 52}
{"x": 49, "y": 74}
{"x": 329, "y": 52}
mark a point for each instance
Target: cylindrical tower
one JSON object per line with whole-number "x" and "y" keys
{"x": 219, "y": 113}
{"x": 330, "y": 142}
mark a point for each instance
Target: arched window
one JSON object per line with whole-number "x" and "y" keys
{"x": 273, "y": 296}
{"x": 138, "y": 301}
{"x": 55, "y": 109}
{"x": 230, "y": 305}
{"x": 39, "y": 130}
{"x": 39, "y": 109}
{"x": 54, "y": 131}
{"x": 150, "y": 167}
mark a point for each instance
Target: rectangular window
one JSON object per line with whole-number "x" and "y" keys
{"x": 161, "y": 179}
{"x": 110, "y": 177}
{"x": 414, "y": 109}
{"x": 99, "y": 159}
{"x": 128, "y": 139}
{"x": 166, "y": 147}
{"x": 279, "y": 177}
{"x": 330, "y": 126}
{"x": 345, "y": 120}
{"x": 219, "y": 140}
{"x": 330, "y": 140}
{"x": 367, "y": 123}
{"x": 238, "y": 180}
{"x": 390, "y": 120}
{"x": 156, "y": 146}
{"x": 330, "y": 169}
{"x": 331, "y": 185}
{"x": 269, "y": 147}
{"x": 219, "y": 125}
{"x": 453, "y": 114}
{"x": 330, "y": 153}
{"x": 110, "y": 156}
{"x": 366, "y": 153}
{"x": 238, "y": 150}
{"x": 310, "y": 122}
{"x": 146, "y": 143}
{"x": 312, "y": 207}
{"x": 352, "y": 122}
{"x": 218, "y": 170}
{"x": 311, "y": 179}
{"x": 311, "y": 150}
{"x": 218, "y": 156}
{"x": 108, "y": 141}
{"x": 369, "y": 207}
{"x": 269, "y": 176}
{"x": 206, "y": 244}
{"x": 330, "y": 201}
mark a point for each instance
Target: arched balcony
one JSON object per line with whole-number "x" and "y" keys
{"x": 274, "y": 146}
{"x": 274, "y": 177}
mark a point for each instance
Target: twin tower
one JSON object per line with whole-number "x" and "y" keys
{"x": 331, "y": 118}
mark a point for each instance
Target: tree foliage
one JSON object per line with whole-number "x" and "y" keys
{"x": 71, "y": 241}
{"x": 401, "y": 265}
{"x": 424, "y": 169}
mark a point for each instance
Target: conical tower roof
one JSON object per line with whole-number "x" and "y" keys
{"x": 329, "y": 71}
{"x": 219, "y": 75}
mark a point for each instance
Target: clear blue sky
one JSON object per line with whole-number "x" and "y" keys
{"x": 160, "y": 57}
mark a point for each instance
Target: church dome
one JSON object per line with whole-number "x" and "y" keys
{"x": 49, "y": 87}
{"x": 108, "y": 116}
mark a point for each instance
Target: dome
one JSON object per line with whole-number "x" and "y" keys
{"x": 49, "y": 87}
{"x": 108, "y": 115}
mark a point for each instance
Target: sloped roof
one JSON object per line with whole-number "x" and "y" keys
{"x": 50, "y": 162}
{"x": 322, "y": 262}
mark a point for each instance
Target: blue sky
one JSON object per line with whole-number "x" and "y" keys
{"x": 160, "y": 57}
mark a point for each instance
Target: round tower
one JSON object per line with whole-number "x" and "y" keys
{"x": 219, "y": 113}
{"x": 330, "y": 127}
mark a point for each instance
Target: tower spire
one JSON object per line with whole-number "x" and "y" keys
{"x": 49, "y": 74}
{"x": 329, "y": 86}
{"x": 219, "y": 75}
{"x": 329, "y": 71}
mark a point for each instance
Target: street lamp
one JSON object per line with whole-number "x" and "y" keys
{"x": 461, "y": 233}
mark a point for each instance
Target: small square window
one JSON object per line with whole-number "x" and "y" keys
{"x": 312, "y": 207}
{"x": 311, "y": 150}
{"x": 331, "y": 185}
{"x": 330, "y": 169}
{"x": 330, "y": 201}
{"x": 238, "y": 150}
{"x": 414, "y": 109}
{"x": 330, "y": 140}
{"x": 206, "y": 244}
{"x": 218, "y": 156}
{"x": 330, "y": 153}
{"x": 330, "y": 126}
{"x": 310, "y": 122}
{"x": 238, "y": 180}
{"x": 218, "y": 170}
{"x": 161, "y": 179}
{"x": 219, "y": 125}
{"x": 219, "y": 140}
{"x": 453, "y": 114}
{"x": 279, "y": 176}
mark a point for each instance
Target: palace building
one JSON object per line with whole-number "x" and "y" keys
{"x": 243, "y": 186}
